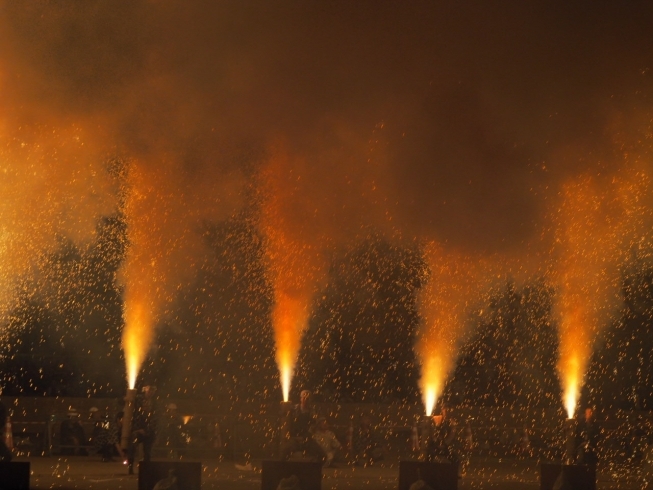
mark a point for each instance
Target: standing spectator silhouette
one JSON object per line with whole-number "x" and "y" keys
{"x": 5, "y": 453}
{"x": 468, "y": 447}
{"x": 366, "y": 447}
{"x": 327, "y": 441}
{"x": 72, "y": 436}
{"x": 101, "y": 436}
{"x": 115, "y": 433}
{"x": 639, "y": 442}
{"x": 143, "y": 426}
{"x": 300, "y": 429}
{"x": 587, "y": 439}
{"x": 173, "y": 432}
{"x": 442, "y": 434}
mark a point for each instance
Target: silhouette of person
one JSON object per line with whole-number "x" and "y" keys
{"x": 327, "y": 441}
{"x": 439, "y": 445}
{"x": 5, "y": 453}
{"x": 72, "y": 435}
{"x": 587, "y": 439}
{"x": 300, "y": 429}
{"x": 366, "y": 447}
{"x": 143, "y": 426}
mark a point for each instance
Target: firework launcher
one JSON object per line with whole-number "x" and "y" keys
{"x": 286, "y": 408}
{"x": 427, "y": 427}
{"x": 130, "y": 401}
{"x": 307, "y": 473}
{"x": 423, "y": 432}
{"x": 414, "y": 439}
{"x": 568, "y": 474}
{"x": 439, "y": 474}
{"x": 285, "y": 413}
{"x": 284, "y": 428}
{"x": 569, "y": 441}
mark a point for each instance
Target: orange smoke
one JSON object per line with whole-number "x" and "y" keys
{"x": 594, "y": 222}
{"x": 289, "y": 318}
{"x": 54, "y": 188}
{"x": 136, "y": 339}
{"x": 163, "y": 215}
{"x": 433, "y": 375}
{"x": 444, "y": 302}
{"x": 139, "y": 274}
{"x": 294, "y": 260}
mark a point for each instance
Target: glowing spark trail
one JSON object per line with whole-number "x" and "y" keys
{"x": 162, "y": 253}
{"x": 452, "y": 290}
{"x": 294, "y": 266}
{"x": 594, "y": 221}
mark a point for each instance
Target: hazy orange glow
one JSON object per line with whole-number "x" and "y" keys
{"x": 594, "y": 222}
{"x": 294, "y": 264}
{"x": 138, "y": 272}
{"x": 137, "y": 336}
{"x": 444, "y": 302}
{"x": 431, "y": 382}
{"x": 161, "y": 256}
{"x": 54, "y": 187}
{"x": 571, "y": 388}
{"x": 289, "y": 318}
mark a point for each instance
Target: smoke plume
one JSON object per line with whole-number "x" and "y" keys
{"x": 453, "y": 122}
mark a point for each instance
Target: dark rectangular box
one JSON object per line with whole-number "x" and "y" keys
{"x": 440, "y": 476}
{"x": 14, "y": 475}
{"x": 309, "y": 474}
{"x": 578, "y": 476}
{"x": 188, "y": 475}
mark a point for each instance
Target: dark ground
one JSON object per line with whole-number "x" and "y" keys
{"x": 87, "y": 473}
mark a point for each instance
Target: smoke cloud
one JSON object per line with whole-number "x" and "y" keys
{"x": 457, "y": 123}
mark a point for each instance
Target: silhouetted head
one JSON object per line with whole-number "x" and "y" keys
{"x": 149, "y": 391}
{"x": 304, "y": 398}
